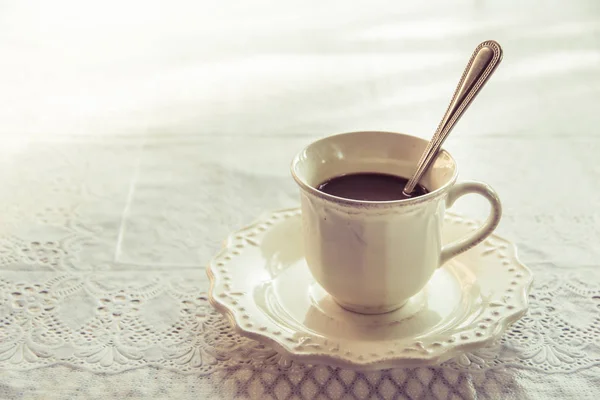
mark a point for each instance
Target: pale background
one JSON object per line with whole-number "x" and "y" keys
{"x": 195, "y": 108}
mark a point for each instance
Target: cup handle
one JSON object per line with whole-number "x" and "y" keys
{"x": 453, "y": 249}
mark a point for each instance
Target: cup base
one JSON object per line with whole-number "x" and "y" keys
{"x": 369, "y": 310}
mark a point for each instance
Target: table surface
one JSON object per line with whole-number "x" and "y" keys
{"x": 137, "y": 135}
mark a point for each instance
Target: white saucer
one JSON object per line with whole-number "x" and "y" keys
{"x": 261, "y": 282}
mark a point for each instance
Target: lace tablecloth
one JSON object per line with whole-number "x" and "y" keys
{"x": 136, "y": 137}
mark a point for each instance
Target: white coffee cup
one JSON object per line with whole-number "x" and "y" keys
{"x": 372, "y": 256}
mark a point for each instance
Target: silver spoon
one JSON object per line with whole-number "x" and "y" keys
{"x": 482, "y": 64}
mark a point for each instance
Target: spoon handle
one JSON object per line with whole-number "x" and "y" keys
{"x": 482, "y": 64}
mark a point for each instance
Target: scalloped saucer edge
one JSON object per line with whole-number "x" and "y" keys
{"x": 260, "y": 281}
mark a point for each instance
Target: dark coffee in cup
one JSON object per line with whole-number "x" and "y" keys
{"x": 369, "y": 186}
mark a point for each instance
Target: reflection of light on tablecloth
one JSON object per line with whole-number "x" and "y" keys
{"x": 553, "y": 63}
{"x": 428, "y": 29}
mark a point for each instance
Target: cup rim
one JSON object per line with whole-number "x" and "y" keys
{"x": 369, "y": 203}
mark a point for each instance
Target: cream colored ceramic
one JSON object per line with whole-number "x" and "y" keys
{"x": 373, "y": 256}
{"x": 260, "y": 280}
